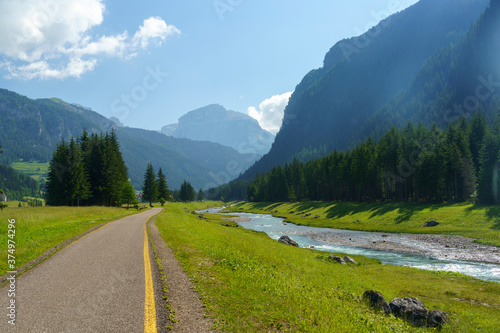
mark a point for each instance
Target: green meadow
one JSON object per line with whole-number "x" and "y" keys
{"x": 251, "y": 283}
{"x": 38, "y": 229}
{"x": 479, "y": 222}
{"x": 36, "y": 170}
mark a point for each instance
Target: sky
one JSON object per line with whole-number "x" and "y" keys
{"x": 150, "y": 62}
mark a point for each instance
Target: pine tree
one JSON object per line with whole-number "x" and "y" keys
{"x": 163, "y": 191}
{"x": 1, "y": 151}
{"x": 150, "y": 187}
{"x": 78, "y": 184}
{"x": 97, "y": 169}
{"x": 128, "y": 195}
{"x": 252, "y": 193}
{"x": 187, "y": 192}
{"x": 477, "y": 134}
{"x": 489, "y": 164}
{"x": 201, "y": 195}
{"x": 116, "y": 177}
{"x": 57, "y": 179}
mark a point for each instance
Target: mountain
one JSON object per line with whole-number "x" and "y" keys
{"x": 30, "y": 130}
{"x": 117, "y": 121}
{"x": 229, "y": 128}
{"x": 332, "y": 105}
{"x": 457, "y": 81}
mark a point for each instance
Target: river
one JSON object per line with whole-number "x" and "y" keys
{"x": 400, "y": 249}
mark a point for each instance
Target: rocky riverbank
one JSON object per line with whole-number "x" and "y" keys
{"x": 438, "y": 246}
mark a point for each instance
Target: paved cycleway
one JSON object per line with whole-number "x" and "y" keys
{"x": 100, "y": 283}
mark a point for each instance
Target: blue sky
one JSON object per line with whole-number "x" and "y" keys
{"x": 150, "y": 62}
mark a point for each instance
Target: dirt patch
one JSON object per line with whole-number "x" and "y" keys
{"x": 188, "y": 312}
{"x": 237, "y": 219}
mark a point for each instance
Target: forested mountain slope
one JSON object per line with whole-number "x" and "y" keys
{"x": 457, "y": 81}
{"x": 331, "y": 106}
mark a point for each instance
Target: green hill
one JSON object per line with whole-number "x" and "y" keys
{"x": 30, "y": 130}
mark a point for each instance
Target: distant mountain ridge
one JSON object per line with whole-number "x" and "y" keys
{"x": 30, "y": 130}
{"x": 229, "y": 128}
{"x": 332, "y": 106}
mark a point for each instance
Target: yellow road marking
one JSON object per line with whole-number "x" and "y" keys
{"x": 149, "y": 302}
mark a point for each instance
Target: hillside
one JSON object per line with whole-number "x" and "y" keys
{"x": 229, "y": 128}
{"x": 456, "y": 81}
{"x": 331, "y": 106}
{"x": 30, "y": 130}
{"x": 16, "y": 185}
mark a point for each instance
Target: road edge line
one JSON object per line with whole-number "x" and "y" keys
{"x": 150, "y": 325}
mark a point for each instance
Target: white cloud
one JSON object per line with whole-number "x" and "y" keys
{"x": 153, "y": 28}
{"x": 51, "y": 38}
{"x": 270, "y": 115}
{"x": 43, "y": 70}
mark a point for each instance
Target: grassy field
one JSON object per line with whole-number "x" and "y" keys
{"x": 479, "y": 222}
{"x": 251, "y": 283}
{"x": 35, "y": 170}
{"x": 39, "y": 229}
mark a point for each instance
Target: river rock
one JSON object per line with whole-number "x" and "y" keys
{"x": 288, "y": 241}
{"x": 377, "y": 301}
{"x": 412, "y": 309}
{"x": 430, "y": 224}
{"x": 436, "y": 318}
{"x": 337, "y": 259}
{"x": 349, "y": 260}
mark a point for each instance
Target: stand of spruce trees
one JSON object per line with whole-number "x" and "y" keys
{"x": 87, "y": 171}
{"x": 411, "y": 164}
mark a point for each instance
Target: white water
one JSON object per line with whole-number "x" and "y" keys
{"x": 436, "y": 257}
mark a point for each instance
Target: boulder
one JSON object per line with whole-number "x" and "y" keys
{"x": 317, "y": 217}
{"x": 337, "y": 259}
{"x": 430, "y": 224}
{"x": 307, "y": 215}
{"x": 377, "y": 301}
{"x": 288, "y": 241}
{"x": 349, "y": 260}
{"x": 411, "y": 309}
{"x": 436, "y": 318}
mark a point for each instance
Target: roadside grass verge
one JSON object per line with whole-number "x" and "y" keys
{"x": 39, "y": 229}
{"x": 468, "y": 220}
{"x": 251, "y": 283}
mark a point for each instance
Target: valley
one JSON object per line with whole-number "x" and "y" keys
{"x": 257, "y": 185}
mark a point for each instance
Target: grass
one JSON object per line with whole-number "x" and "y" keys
{"x": 35, "y": 170}
{"x": 479, "y": 222}
{"x": 39, "y": 229}
{"x": 251, "y": 283}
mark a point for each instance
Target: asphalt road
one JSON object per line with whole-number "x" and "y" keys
{"x": 97, "y": 284}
